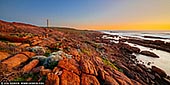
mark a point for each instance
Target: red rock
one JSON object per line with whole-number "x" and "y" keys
{"x": 70, "y": 65}
{"x": 99, "y": 60}
{"x": 28, "y": 54}
{"x": 110, "y": 81}
{"x": 52, "y": 79}
{"x": 121, "y": 78}
{"x": 75, "y": 54}
{"x": 18, "y": 59}
{"x": 12, "y": 38}
{"x": 88, "y": 67}
{"x": 37, "y": 69}
{"x": 29, "y": 79}
{"x": 159, "y": 71}
{"x": 89, "y": 80}
{"x": 69, "y": 78}
{"x": 30, "y": 66}
{"x": 102, "y": 73}
{"x": 44, "y": 72}
{"x": 3, "y": 55}
{"x": 57, "y": 71}
{"x": 24, "y": 45}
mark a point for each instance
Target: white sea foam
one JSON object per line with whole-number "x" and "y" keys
{"x": 141, "y": 34}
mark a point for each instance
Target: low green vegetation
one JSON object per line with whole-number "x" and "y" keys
{"x": 46, "y": 54}
{"x": 19, "y": 79}
{"x": 85, "y": 51}
{"x": 43, "y": 78}
{"x": 52, "y": 64}
{"x": 107, "y": 62}
{"x": 121, "y": 70}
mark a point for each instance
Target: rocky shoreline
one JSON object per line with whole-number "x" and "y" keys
{"x": 157, "y": 44}
{"x": 64, "y": 56}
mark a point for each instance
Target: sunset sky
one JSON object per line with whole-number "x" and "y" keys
{"x": 90, "y": 14}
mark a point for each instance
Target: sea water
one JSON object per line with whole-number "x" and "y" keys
{"x": 163, "y": 62}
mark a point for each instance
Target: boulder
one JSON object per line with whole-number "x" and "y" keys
{"x": 69, "y": 78}
{"x": 159, "y": 71}
{"x": 148, "y": 53}
{"x": 135, "y": 49}
{"x": 30, "y": 65}
{"x": 3, "y": 55}
{"x": 38, "y": 50}
{"x": 89, "y": 80}
{"x": 70, "y": 65}
{"x": 52, "y": 79}
{"x": 17, "y": 59}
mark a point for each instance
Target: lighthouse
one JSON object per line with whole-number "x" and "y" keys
{"x": 47, "y": 23}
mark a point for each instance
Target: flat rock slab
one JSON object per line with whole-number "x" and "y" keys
{"x": 148, "y": 53}
{"x": 159, "y": 71}
{"x": 69, "y": 78}
{"x": 18, "y": 59}
{"x": 3, "y": 55}
{"x": 30, "y": 65}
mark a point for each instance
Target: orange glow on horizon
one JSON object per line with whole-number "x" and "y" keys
{"x": 128, "y": 27}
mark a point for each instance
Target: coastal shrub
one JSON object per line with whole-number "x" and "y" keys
{"x": 52, "y": 64}
{"x": 107, "y": 62}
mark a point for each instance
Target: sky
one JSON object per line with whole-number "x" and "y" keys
{"x": 90, "y": 14}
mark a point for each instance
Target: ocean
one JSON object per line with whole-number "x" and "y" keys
{"x": 163, "y": 62}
